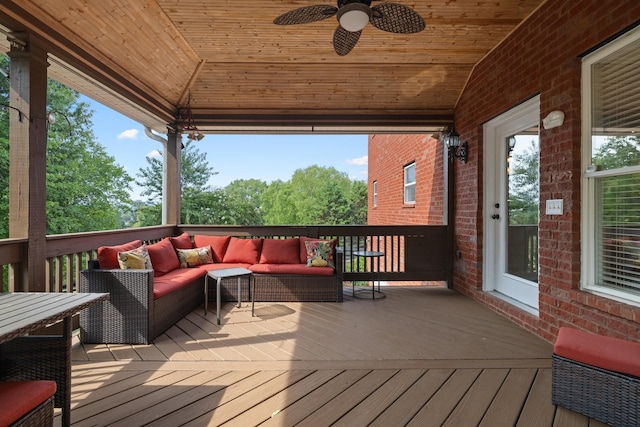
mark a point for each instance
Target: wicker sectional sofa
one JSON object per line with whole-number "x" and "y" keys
{"x": 146, "y": 302}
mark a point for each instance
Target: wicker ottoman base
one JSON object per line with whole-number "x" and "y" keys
{"x": 604, "y": 395}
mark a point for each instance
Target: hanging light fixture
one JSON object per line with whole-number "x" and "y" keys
{"x": 354, "y": 17}
{"x": 190, "y": 126}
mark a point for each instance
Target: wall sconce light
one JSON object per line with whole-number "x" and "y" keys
{"x": 553, "y": 119}
{"x": 457, "y": 150}
{"x": 511, "y": 141}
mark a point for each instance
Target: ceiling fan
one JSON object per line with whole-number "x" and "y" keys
{"x": 352, "y": 16}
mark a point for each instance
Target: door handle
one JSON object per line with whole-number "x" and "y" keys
{"x": 495, "y": 216}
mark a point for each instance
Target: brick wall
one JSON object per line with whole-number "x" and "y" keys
{"x": 388, "y": 155}
{"x": 542, "y": 56}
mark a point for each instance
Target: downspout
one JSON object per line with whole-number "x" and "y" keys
{"x": 164, "y": 142}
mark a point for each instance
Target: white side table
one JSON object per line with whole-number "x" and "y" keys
{"x": 218, "y": 275}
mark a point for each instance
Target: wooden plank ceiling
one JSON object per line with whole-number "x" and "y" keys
{"x": 147, "y": 58}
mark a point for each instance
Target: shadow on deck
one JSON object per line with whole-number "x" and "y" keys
{"x": 421, "y": 356}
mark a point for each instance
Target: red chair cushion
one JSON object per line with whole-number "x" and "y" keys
{"x": 163, "y": 257}
{"x": 182, "y": 241}
{"x": 18, "y": 398}
{"x": 108, "y": 255}
{"x": 612, "y": 354}
{"x": 280, "y": 251}
{"x": 218, "y": 245}
{"x": 246, "y": 251}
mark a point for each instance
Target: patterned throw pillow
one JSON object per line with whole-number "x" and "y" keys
{"x": 319, "y": 253}
{"x": 135, "y": 259}
{"x": 195, "y": 257}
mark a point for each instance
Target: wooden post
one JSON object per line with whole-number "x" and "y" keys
{"x": 172, "y": 179}
{"x": 449, "y": 177}
{"x": 28, "y": 158}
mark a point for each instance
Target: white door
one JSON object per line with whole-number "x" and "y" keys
{"x": 511, "y": 205}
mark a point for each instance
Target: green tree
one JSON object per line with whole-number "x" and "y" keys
{"x": 244, "y": 196}
{"x": 315, "y": 195}
{"x": 524, "y": 193}
{"x": 195, "y": 173}
{"x": 358, "y": 196}
{"x": 86, "y": 189}
{"x": 276, "y": 204}
{"x": 620, "y": 199}
{"x": 196, "y": 195}
{"x": 617, "y": 152}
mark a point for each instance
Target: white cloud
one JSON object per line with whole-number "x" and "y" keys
{"x": 154, "y": 153}
{"x": 360, "y": 161}
{"x": 128, "y": 134}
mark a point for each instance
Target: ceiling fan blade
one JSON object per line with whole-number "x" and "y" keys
{"x": 396, "y": 18}
{"x": 306, "y": 14}
{"x": 344, "y": 41}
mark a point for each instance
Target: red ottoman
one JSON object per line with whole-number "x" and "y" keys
{"x": 26, "y": 403}
{"x": 597, "y": 376}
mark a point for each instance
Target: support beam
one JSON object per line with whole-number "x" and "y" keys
{"x": 172, "y": 179}
{"x": 448, "y": 173}
{"x": 28, "y": 158}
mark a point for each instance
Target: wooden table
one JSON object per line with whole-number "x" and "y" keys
{"x": 29, "y": 357}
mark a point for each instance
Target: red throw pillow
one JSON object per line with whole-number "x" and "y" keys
{"x": 182, "y": 241}
{"x": 108, "y": 255}
{"x": 280, "y": 251}
{"x": 218, "y": 245}
{"x": 163, "y": 257}
{"x": 244, "y": 251}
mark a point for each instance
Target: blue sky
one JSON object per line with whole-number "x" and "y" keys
{"x": 264, "y": 157}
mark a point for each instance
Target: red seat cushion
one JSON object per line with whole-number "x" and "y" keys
{"x": 280, "y": 251}
{"x": 220, "y": 266}
{"x": 163, "y": 257}
{"x": 108, "y": 255}
{"x": 291, "y": 269}
{"x": 218, "y": 245}
{"x": 18, "y": 398}
{"x": 245, "y": 251}
{"x": 612, "y": 354}
{"x": 175, "y": 279}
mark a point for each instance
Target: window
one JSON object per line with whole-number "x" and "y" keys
{"x": 611, "y": 160}
{"x": 375, "y": 193}
{"x": 410, "y": 183}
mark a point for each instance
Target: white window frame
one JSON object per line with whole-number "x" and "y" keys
{"x": 409, "y": 184}
{"x": 590, "y": 179}
{"x": 375, "y": 194}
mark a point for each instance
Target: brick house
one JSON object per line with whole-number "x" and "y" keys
{"x": 538, "y": 69}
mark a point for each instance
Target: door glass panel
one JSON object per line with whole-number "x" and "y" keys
{"x": 523, "y": 198}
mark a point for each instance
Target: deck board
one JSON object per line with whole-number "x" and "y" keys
{"x": 419, "y": 357}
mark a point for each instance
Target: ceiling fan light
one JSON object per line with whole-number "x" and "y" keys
{"x": 354, "y": 16}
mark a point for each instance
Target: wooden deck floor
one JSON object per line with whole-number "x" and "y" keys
{"x": 419, "y": 357}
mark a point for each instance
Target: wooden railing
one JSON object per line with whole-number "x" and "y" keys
{"x": 523, "y": 251}
{"x": 412, "y": 253}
